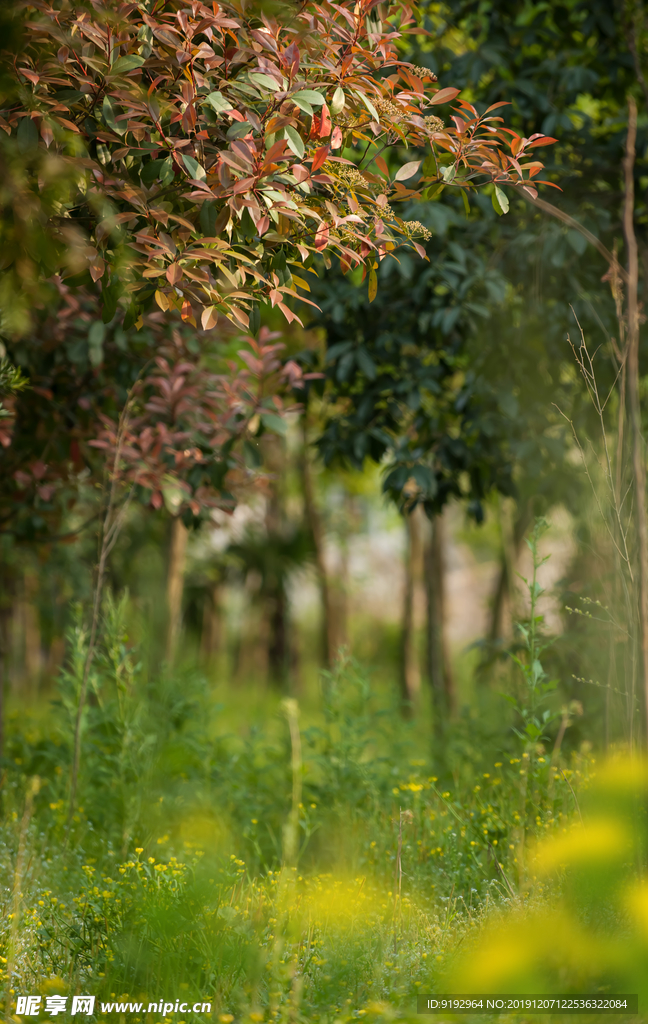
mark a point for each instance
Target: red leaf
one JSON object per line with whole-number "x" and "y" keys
{"x": 444, "y": 96}
{"x": 319, "y": 158}
{"x": 209, "y": 318}
{"x": 325, "y": 123}
{"x": 174, "y": 273}
{"x": 544, "y": 140}
{"x": 321, "y": 237}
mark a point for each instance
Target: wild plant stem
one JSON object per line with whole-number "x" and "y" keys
{"x": 634, "y": 406}
{"x": 574, "y": 796}
{"x": 291, "y": 837}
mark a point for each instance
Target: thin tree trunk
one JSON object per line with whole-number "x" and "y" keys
{"x": 410, "y": 676}
{"x": 175, "y": 585}
{"x": 276, "y": 597}
{"x": 342, "y": 583}
{"x": 634, "y": 407}
{"x": 314, "y": 523}
{"x": 212, "y": 625}
{"x": 278, "y": 651}
{"x": 511, "y": 546}
{"x": 438, "y": 666}
{"x": 31, "y": 632}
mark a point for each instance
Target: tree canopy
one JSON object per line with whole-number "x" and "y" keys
{"x": 168, "y": 166}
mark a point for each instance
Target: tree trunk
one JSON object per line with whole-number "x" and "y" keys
{"x": 410, "y": 676}
{"x": 634, "y": 407}
{"x": 276, "y": 597}
{"x": 175, "y": 585}
{"x": 438, "y": 665}
{"x": 316, "y": 528}
{"x": 501, "y": 620}
{"x": 278, "y": 651}
{"x": 343, "y": 581}
{"x": 31, "y": 632}
{"x": 212, "y": 625}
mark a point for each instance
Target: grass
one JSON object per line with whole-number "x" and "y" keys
{"x": 327, "y": 864}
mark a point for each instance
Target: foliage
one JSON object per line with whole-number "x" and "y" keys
{"x": 175, "y": 875}
{"x": 537, "y": 687}
{"x": 566, "y": 69}
{"x": 400, "y": 388}
{"x": 199, "y": 153}
{"x": 184, "y": 445}
{"x": 12, "y": 382}
{"x": 170, "y": 167}
{"x": 591, "y": 937}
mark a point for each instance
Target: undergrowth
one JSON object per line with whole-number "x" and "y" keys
{"x": 289, "y": 873}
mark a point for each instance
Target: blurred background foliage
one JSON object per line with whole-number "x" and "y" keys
{"x": 458, "y": 825}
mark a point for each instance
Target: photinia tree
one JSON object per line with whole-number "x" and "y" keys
{"x": 198, "y": 149}
{"x": 185, "y": 442}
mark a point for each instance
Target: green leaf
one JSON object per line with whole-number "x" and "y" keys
{"x": 208, "y": 215}
{"x": 131, "y": 316}
{"x": 363, "y": 359}
{"x": 238, "y": 130}
{"x": 195, "y": 169}
{"x": 265, "y": 81}
{"x": 303, "y": 104}
{"x": 151, "y": 171}
{"x": 167, "y": 172}
{"x": 218, "y": 102}
{"x": 396, "y": 480}
{"x": 294, "y": 140}
{"x": 309, "y": 95}
{"x": 434, "y": 191}
{"x": 124, "y": 64}
{"x": 464, "y": 196}
{"x": 27, "y": 135}
{"x": 500, "y": 201}
{"x": 273, "y": 423}
{"x": 109, "y": 116}
{"x": 110, "y": 294}
{"x": 338, "y": 101}
{"x": 368, "y": 104}
{"x": 448, "y": 173}
{"x": 429, "y": 168}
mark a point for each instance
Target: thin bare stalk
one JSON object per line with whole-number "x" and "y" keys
{"x": 634, "y": 406}
{"x": 623, "y": 554}
{"x": 554, "y": 211}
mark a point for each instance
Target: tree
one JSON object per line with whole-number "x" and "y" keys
{"x": 185, "y": 161}
{"x": 199, "y": 151}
